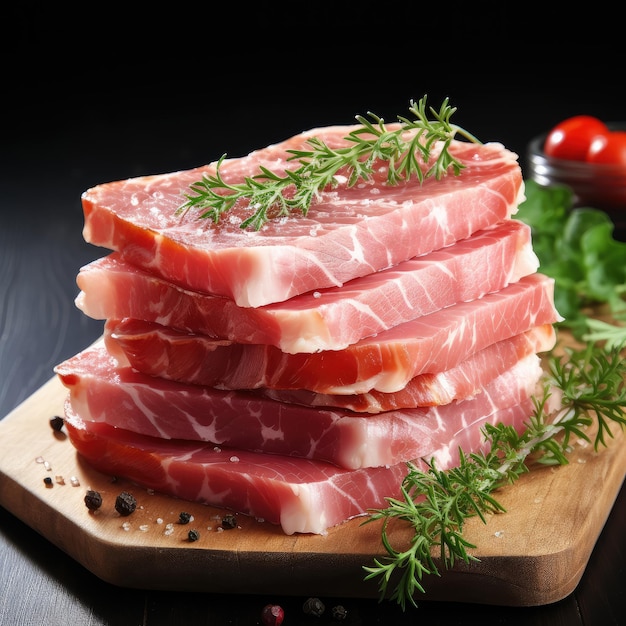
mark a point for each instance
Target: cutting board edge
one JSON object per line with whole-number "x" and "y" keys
{"x": 296, "y": 575}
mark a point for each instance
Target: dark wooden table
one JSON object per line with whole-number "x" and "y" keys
{"x": 47, "y": 161}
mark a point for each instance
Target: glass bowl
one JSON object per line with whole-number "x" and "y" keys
{"x": 596, "y": 185}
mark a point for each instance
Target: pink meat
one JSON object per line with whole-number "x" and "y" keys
{"x": 348, "y": 233}
{"x": 463, "y": 381}
{"x": 302, "y": 495}
{"x": 137, "y": 343}
{"x": 328, "y": 319}
{"x": 124, "y": 398}
{"x": 387, "y": 362}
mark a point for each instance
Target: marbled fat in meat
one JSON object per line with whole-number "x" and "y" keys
{"x": 101, "y": 392}
{"x": 349, "y": 232}
{"x": 386, "y": 362}
{"x": 327, "y": 319}
{"x": 301, "y": 495}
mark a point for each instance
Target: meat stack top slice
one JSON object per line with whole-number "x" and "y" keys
{"x": 349, "y": 232}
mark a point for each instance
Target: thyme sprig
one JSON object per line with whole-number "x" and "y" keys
{"x": 437, "y": 503}
{"x": 273, "y": 195}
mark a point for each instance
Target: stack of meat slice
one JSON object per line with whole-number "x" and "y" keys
{"x": 290, "y": 373}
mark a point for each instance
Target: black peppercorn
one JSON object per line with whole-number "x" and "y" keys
{"x": 313, "y": 606}
{"x": 193, "y": 535}
{"x": 93, "y": 500}
{"x": 339, "y": 613}
{"x": 228, "y": 522}
{"x": 56, "y": 423}
{"x": 184, "y": 518}
{"x": 125, "y": 503}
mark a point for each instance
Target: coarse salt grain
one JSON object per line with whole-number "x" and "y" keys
{"x": 39, "y": 459}
{"x": 60, "y": 480}
{"x": 75, "y": 482}
{"x": 143, "y": 528}
{"x": 234, "y": 459}
{"x": 126, "y": 526}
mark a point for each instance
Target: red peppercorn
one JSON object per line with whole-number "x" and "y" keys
{"x": 272, "y": 615}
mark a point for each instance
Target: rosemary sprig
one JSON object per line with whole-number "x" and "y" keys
{"x": 437, "y": 503}
{"x": 273, "y": 195}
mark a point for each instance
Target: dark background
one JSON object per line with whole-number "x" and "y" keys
{"x": 115, "y": 91}
{"x": 112, "y": 93}
{"x": 104, "y": 92}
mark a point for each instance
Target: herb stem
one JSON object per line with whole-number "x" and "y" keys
{"x": 437, "y": 503}
{"x": 269, "y": 194}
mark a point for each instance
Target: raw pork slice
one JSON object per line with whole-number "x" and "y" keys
{"x": 463, "y": 381}
{"x": 349, "y": 232}
{"x": 141, "y": 345}
{"x": 387, "y": 362}
{"x": 124, "y": 398}
{"x": 301, "y": 495}
{"x": 328, "y": 319}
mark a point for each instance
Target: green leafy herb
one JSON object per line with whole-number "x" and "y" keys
{"x": 437, "y": 503}
{"x": 576, "y": 247}
{"x": 274, "y": 195}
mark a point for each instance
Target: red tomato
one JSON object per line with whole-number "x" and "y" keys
{"x": 609, "y": 148}
{"x": 571, "y": 138}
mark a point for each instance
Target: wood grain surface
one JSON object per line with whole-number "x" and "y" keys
{"x": 533, "y": 554}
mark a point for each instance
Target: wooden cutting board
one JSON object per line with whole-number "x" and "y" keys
{"x": 533, "y": 554}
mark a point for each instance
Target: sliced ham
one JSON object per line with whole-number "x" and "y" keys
{"x": 465, "y": 380}
{"x": 387, "y": 362}
{"x": 328, "y": 319}
{"x": 290, "y": 373}
{"x": 302, "y": 495}
{"x": 349, "y": 232}
{"x": 124, "y": 398}
{"x": 140, "y": 344}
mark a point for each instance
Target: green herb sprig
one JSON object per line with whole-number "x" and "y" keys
{"x": 273, "y": 195}
{"x": 437, "y": 503}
